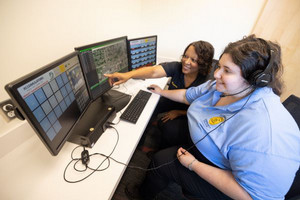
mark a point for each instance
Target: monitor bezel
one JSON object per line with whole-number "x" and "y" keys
{"x": 12, "y": 89}
{"x": 93, "y": 45}
{"x": 140, "y": 38}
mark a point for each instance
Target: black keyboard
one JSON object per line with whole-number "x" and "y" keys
{"x": 136, "y": 106}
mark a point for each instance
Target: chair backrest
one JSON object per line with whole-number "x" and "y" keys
{"x": 295, "y": 188}
{"x": 212, "y": 70}
{"x": 292, "y": 104}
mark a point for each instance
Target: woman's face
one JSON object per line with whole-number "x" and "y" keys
{"x": 189, "y": 61}
{"x": 228, "y": 75}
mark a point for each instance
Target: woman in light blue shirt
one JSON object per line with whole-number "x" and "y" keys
{"x": 245, "y": 144}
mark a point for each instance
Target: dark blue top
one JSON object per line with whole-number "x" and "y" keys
{"x": 174, "y": 70}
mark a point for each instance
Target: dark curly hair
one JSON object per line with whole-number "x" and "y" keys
{"x": 252, "y": 55}
{"x": 205, "y": 52}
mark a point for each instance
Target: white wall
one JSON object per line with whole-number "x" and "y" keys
{"x": 179, "y": 22}
{"x": 35, "y": 32}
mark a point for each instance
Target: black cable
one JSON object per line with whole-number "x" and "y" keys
{"x": 88, "y": 167}
{"x": 79, "y": 170}
{"x": 103, "y": 169}
{"x": 227, "y": 95}
{"x": 130, "y": 166}
{"x": 114, "y": 148}
{"x": 79, "y": 180}
{"x": 111, "y": 123}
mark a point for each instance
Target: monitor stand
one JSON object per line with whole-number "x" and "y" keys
{"x": 92, "y": 124}
{"x": 116, "y": 99}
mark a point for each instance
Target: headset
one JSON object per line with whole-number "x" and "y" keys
{"x": 261, "y": 78}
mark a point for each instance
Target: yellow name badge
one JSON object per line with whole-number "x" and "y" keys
{"x": 216, "y": 120}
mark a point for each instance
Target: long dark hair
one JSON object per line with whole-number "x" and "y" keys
{"x": 252, "y": 54}
{"x": 205, "y": 52}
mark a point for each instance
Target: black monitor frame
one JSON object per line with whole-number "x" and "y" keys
{"x": 131, "y": 55}
{"x": 89, "y": 67}
{"x": 71, "y": 113}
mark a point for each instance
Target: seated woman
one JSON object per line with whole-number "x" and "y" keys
{"x": 243, "y": 144}
{"x": 193, "y": 70}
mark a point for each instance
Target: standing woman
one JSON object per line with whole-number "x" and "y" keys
{"x": 244, "y": 143}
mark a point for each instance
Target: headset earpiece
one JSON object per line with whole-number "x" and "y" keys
{"x": 262, "y": 78}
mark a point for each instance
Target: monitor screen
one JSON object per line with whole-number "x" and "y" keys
{"x": 52, "y": 99}
{"x": 142, "y": 51}
{"x": 103, "y": 58}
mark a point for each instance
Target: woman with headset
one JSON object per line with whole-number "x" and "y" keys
{"x": 243, "y": 143}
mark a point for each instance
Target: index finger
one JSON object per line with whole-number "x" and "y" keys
{"x": 180, "y": 151}
{"x": 110, "y": 80}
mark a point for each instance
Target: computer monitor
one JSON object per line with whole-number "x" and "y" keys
{"x": 142, "y": 51}
{"x": 52, "y": 99}
{"x": 101, "y": 58}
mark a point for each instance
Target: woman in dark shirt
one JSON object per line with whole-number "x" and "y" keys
{"x": 193, "y": 70}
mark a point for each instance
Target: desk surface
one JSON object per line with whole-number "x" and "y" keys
{"x": 29, "y": 172}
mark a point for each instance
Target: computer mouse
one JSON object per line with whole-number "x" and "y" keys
{"x": 150, "y": 88}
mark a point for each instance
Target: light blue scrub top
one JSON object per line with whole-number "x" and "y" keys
{"x": 258, "y": 141}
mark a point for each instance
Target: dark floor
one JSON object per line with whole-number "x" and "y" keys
{"x": 140, "y": 159}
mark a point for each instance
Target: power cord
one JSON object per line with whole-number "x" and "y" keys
{"x": 84, "y": 159}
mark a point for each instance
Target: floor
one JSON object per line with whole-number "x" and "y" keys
{"x": 140, "y": 159}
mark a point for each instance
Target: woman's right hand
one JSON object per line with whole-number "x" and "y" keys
{"x": 156, "y": 89}
{"x": 117, "y": 78}
{"x": 172, "y": 114}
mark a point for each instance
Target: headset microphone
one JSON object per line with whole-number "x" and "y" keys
{"x": 226, "y": 95}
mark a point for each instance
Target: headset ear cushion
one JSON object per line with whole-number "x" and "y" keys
{"x": 263, "y": 80}
{"x": 260, "y": 79}
{"x": 254, "y": 76}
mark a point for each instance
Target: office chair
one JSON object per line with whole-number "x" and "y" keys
{"x": 212, "y": 70}
{"x": 292, "y": 104}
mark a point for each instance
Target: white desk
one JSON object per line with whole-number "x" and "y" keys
{"x": 29, "y": 172}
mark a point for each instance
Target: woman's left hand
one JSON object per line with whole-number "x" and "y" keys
{"x": 184, "y": 157}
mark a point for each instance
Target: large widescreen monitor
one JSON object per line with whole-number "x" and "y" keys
{"x": 142, "y": 51}
{"x": 101, "y": 58}
{"x": 52, "y": 99}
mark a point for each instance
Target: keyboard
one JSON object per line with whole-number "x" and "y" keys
{"x": 136, "y": 106}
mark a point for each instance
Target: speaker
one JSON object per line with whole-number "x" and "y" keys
{"x": 262, "y": 78}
